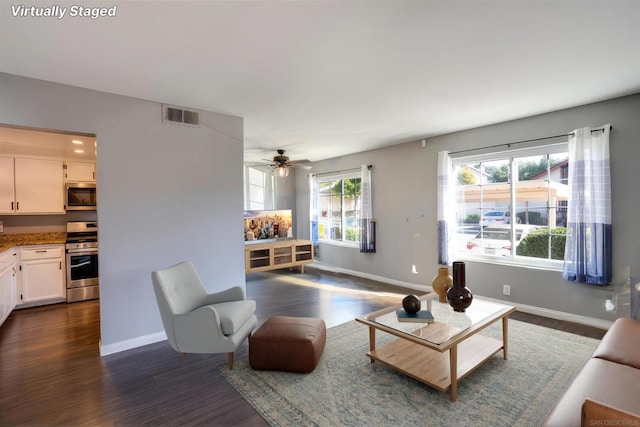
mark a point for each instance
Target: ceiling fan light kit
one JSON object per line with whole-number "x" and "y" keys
{"x": 282, "y": 164}
{"x": 281, "y": 171}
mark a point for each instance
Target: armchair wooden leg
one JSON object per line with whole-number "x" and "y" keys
{"x": 230, "y": 357}
{"x": 184, "y": 356}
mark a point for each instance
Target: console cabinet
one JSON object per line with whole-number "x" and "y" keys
{"x": 274, "y": 255}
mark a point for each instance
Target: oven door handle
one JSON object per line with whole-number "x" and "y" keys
{"x": 86, "y": 251}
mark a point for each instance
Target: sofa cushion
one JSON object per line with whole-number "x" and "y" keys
{"x": 600, "y": 380}
{"x": 621, "y": 343}
{"x": 233, "y": 314}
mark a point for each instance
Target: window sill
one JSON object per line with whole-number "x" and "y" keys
{"x": 339, "y": 243}
{"x": 538, "y": 264}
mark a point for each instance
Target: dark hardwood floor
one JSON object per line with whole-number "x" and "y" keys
{"x": 51, "y": 372}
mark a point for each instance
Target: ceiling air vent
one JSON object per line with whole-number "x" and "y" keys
{"x": 177, "y": 115}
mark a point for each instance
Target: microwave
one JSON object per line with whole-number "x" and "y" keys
{"x": 80, "y": 196}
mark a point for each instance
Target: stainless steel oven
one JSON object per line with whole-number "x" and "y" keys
{"x": 82, "y": 261}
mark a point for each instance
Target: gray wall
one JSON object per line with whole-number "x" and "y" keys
{"x": 285, "y": 197}
{"x": 404, "y": 202}
{"x": 167, "y": 193}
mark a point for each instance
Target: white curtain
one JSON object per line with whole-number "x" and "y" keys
{"x": 446, "y": 208}
{"x": 587, "y": 256}
{"x": 313, "y": 209}
{"x": 367, "y": 224}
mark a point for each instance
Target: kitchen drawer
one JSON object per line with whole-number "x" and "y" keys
{"x": 41, "y": 253}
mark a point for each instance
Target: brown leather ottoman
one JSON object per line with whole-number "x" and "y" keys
{"x": 292, "y": 344}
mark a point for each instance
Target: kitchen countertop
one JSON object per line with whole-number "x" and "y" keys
{"x": 8, "y": 241}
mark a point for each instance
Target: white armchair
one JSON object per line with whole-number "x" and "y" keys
{"x": 197, "y": 322}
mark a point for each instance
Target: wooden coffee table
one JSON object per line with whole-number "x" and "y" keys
{"x": 421, "y": 349}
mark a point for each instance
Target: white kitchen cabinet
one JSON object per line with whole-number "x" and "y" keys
{"x": 39, "y": 186}
{"x": 80, "y": 172}
{"x": 7, "y": 187}
{"x": 8, "y": 293}
{"x": 42, "y": 273}
{"x": 31, "y": 186}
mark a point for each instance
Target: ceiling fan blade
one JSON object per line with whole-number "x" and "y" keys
{"x": 258, "y": 165}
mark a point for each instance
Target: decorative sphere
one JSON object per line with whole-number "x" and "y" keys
{"x": 411, "y": 304}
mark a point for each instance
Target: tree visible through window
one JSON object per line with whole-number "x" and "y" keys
{"x": 525, "y": 191}
{"x": 339, "y": 208}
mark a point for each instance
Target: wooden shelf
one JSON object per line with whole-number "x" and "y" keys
{"x": 304, "y": 252}
{"x": 432, "y": 367}
{"x": 282, "y": 255}
{"x": 279, "y": 254}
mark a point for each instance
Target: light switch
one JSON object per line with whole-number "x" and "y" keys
{"x": 1, "y": 227}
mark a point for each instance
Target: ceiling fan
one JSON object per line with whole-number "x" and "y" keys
{"x": 281, "y": 164}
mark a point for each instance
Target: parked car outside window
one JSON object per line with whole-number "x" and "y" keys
{"x": 497, "y": 218}
{"x": 496, "y": 239}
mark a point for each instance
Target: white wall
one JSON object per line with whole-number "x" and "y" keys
{"x": 167, "y": 193}
{"x": 404, "y": 203}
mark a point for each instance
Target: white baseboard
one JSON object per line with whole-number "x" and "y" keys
{"x": 326, "y": 267}
{"x": 117, "y": 347}
{"x": 545, "y": 312}
{"x": 559, "y": 315}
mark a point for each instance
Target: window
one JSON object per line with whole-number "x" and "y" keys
{"x": 258, "y": 188}
{"x": 512, "y": 206}
{"x": 339, "y": 207}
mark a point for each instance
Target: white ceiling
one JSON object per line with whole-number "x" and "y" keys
{"x": 48, "y": 144}
{"x": 328, "y": 78}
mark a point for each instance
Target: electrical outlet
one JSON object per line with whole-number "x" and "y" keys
{"x": 506, "y": 289}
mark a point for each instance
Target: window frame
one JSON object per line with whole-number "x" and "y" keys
{"x": 510, "y": 156}
{"x": 266, "y": 187}
{"x": 332, "y": 177}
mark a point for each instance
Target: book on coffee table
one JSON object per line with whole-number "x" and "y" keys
{"x": 422, "y": 316}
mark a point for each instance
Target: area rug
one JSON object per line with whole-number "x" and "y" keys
{"x": 346, "y": 389}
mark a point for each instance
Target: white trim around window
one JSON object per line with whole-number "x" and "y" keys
{"x": 338, "y": 217}
{"x": 485, "y": 199}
